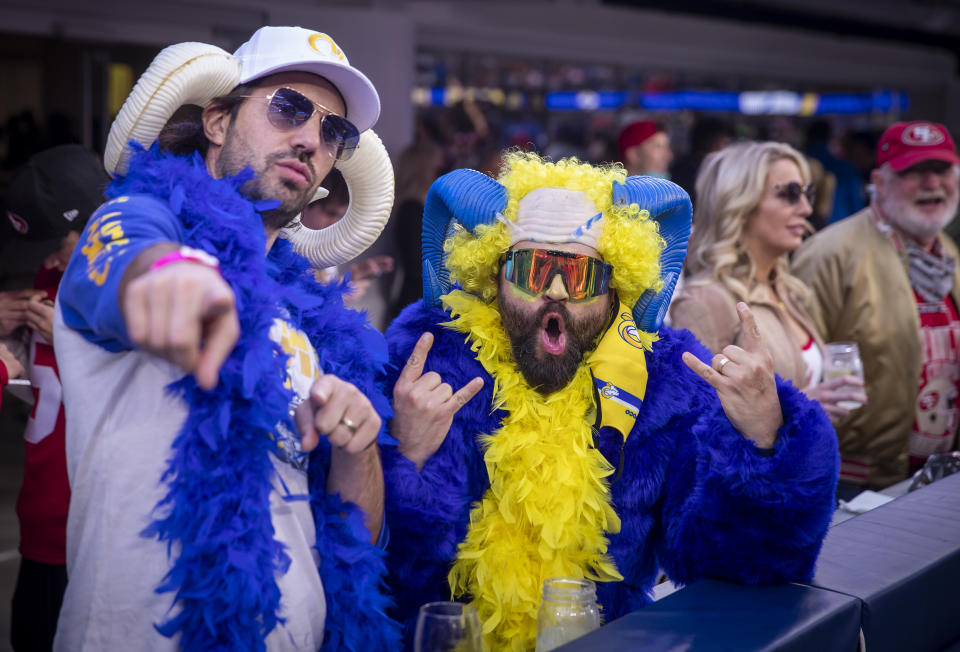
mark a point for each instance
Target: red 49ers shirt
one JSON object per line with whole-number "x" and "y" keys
{"x": 45, "y": 494}
{"x": 939, "y": 388}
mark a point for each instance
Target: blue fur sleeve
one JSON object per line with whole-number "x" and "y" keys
{"x": 428, "y": 510}
{"x": 730, "y": 510}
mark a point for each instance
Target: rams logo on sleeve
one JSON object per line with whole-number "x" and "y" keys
{"x": 105, "y": 240}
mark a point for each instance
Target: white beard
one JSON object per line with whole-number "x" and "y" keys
{"x": 902, "y": 213}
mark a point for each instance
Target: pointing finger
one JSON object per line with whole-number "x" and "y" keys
{"x": 414, "y": 367}
{"x": 221, "y": 336}
{"x": 303, "y": 417}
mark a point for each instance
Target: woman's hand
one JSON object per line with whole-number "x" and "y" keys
{"x": 830, "y": 393}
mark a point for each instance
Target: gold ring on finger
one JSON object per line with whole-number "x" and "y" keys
{"x": 350, "y": 425}
{"x": 720, "y": 365}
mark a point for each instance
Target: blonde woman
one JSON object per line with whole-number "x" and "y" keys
{"x": 753, "y": 200}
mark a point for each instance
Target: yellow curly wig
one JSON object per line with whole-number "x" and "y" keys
{"x": 630, "y": 241}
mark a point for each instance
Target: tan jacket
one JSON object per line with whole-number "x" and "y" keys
{"x": 862, "y": 294}
{"x": 709, "y": 311}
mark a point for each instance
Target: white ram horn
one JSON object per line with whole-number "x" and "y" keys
{"x": 369, "y": 178}
{"x": 185, "y": 73}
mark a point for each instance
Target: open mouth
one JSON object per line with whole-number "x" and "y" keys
{"x": 552, "y": 334}
{"x": 930, "y": 201}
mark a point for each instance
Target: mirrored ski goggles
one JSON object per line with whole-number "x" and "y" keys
{"x": 532, "y": 270}
{"x": 289, "y": 109}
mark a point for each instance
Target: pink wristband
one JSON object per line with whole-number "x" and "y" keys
{"x": 186, "y": 253}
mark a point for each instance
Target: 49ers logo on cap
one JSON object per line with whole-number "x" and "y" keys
{"x": 922, "y": 134}
{"x": 19, "y": 224}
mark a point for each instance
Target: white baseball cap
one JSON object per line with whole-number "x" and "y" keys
{"x": 281, "y": 49}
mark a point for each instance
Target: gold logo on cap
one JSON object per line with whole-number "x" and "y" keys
{"x": 319, "y": 36}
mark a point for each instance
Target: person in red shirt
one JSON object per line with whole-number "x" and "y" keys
{"x": 51, "y": 198}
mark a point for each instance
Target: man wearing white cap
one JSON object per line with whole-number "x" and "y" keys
{"x": 547, "y": 426}
{"x": 222, "y": 413}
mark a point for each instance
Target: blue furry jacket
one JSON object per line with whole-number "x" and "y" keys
{"x": 694, "y": 496}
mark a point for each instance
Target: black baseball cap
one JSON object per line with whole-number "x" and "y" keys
{"x": 55, "y": 192}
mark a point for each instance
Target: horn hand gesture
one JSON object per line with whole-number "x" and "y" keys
{"x": 424, "y": 405}
{"x": 745, "y": 383}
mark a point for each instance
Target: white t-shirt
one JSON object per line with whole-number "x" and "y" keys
{"x": 120, "y": 427}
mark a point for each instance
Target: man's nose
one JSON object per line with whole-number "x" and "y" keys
{"x": 557, "y": 290}
{"x": 930, "y": 179}
{"x": 307, "y": 136}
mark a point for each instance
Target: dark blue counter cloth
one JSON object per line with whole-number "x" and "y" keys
{"x": 714, "y": 615}
{"x": 903, "y": 561}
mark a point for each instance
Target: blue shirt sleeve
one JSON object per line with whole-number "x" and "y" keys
{"x": 116, "y": 233}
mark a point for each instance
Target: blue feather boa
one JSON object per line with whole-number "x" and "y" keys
{"x": 215, "y": 517}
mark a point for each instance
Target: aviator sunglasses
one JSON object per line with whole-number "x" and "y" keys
{"x": 791, "y": 192}
{"x": 532, "y": 270}
{"x": 289, "y": 109}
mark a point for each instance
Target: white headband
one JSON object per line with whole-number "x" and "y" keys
{"x": 557, "y": 215}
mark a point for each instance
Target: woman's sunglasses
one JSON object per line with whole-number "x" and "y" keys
{"x": 289, "y": 109}
{"x": 793, "y": 191}
{"x": 532, "y": 270}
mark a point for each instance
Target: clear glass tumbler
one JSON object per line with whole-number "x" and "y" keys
{"x": 568, "y": 610}
{"x": 842, "y": 359}
{"x": 447, "y": 627}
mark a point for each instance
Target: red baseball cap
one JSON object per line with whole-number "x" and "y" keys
{"x": 905, "y": 144}
{"x": 635, "y": 133}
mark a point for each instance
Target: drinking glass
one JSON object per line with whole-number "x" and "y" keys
{"x": 447, "y": 627}
{"x": 843, "y": 359}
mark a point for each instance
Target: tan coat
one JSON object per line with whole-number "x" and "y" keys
{"x": 709, "y": 311}
{"x": 863, "y": 294}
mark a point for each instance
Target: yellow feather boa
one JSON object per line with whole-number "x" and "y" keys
{"x": 548, "y": 508}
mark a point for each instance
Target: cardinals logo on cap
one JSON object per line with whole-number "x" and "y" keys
{"x": 922, "y": 134}
{"x": 19, "y": 224}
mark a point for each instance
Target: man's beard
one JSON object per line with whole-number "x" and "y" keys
{"x": 236, "y": 155}
{"x": 901, "y": 212}
{"x": 545, "y": 372}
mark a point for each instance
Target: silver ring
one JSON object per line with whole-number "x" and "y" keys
{"x": 350, "y": 425}
{"x": 720, "y": 366}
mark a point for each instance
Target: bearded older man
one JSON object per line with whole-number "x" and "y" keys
{"x": 887, "y": 279}
{"x": 547, "y": 427}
